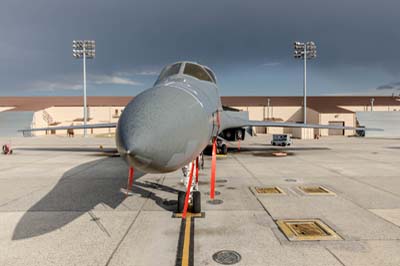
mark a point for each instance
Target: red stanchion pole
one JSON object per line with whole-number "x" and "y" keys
{"x": 130, "y": 178}
{"x": 197, "y": 170}
{"x": 213, "y": 168}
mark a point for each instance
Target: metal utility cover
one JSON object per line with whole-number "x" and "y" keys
{"x": 269, "y": 190}
{"x": 227, "y": 257}
{"x": 316, "y": 190}
{"x": 311, "y": 230}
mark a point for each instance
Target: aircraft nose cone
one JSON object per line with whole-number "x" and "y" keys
{"x": 162, "y": 129}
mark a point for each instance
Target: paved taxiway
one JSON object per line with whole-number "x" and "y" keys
{"x": 64, "y": 206}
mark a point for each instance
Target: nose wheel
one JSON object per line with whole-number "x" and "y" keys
{"x": 191, "y": 199}
{"x": 194, "y": 204}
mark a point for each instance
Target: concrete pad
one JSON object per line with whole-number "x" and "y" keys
{"x": 249, "y": 233}
{"x": 81, "y": 242}
{"x": 152, "y": 240}
{"x": 391, "y": 215}
{"x": 372, "y": 253}
{"x": 64, "y": 206}
{"x": 349, "y": 220}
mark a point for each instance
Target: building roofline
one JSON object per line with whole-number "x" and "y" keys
{"x": 36, "y": 103}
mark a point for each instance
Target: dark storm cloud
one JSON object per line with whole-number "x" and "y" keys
{"x": 135, "y": 36}
{"x": 390, "y": 86}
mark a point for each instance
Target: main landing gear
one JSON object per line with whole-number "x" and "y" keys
{"x": 221, "y": 148}
{"x": 192, "y": 196}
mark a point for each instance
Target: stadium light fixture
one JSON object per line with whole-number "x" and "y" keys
{"x": 305, "y": 51}
{"x": 85, "y": 49}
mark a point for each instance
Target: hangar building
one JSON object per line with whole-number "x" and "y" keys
{"x": 25, "y": 112}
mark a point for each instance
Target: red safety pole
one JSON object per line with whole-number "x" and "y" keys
{"x": 130, "y": 178}
{"x": 185, "y": 207}
{"x": 197, "y": 170}
{"x": 213, "y": 168}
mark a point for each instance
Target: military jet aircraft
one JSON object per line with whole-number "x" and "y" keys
{"x": 168, "y": 126}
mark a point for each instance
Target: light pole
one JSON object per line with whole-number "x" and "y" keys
{"x": 84, "y": 49}
{"x": 372, "y": 104}
{"x": 305, "y": 51}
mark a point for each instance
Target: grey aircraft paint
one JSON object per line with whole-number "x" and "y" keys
{"x": 167, "y": 126}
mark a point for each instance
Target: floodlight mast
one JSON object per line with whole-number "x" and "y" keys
{"x": 305, "y": 51}
{"x": 305, "y": 86}
{"x": 85, "y": 49}
{"x": 84, "y": 93}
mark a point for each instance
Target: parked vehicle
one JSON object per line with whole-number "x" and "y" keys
{"x": 281, "y": 140}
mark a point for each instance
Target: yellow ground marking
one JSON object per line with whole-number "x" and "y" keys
{"x": 316, "y": 190}
{"x": 269, "y": 190}
{"x": 186, "y": 241}
{"x": 179, "y": 215}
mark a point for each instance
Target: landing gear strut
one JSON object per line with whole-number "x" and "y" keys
{"x": 192, "y": 189}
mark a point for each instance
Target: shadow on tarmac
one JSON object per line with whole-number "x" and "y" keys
{"x": 71, "y": 149}
{"x": 393, "y": 148}
{"x": 232, "y": 148}
{"x": 276, "y": 148}
{"x": 80, "y": 190}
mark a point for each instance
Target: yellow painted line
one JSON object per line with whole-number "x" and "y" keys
{"x": 186, "y": 241}
{"x": 179, "y": 215}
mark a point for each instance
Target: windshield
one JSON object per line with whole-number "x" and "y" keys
{"x": 169, "y": 71}
{"x": 280, "y": 137}
{"x": 197, "y": 72}
{"x": 211, "y": 75}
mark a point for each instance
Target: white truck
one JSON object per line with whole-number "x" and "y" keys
{"x": 281, "y": 140}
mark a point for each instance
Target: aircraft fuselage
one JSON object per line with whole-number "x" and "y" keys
{"x": 169, "y": 125}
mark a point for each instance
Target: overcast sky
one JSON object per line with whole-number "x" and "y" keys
{"x": 247, "y": 43}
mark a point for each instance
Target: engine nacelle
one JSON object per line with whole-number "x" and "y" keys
{"x": 233, "y": 134}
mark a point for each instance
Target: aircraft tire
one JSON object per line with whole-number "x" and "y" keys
{"x": 196, "y": 202}
{"x": 181, "y": 201}
{"x": 224, "y": 149}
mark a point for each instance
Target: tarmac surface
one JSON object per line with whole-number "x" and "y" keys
{"x": 62, "y": 203}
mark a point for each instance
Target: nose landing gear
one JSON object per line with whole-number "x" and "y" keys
{"x": 191, "y": 200}
{"x": 194, "y": 202}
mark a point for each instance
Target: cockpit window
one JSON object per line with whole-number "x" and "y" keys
{"x": 169, "y": 71}
{"x": 197, "y": 72}
{"x": 211, "y": 74}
